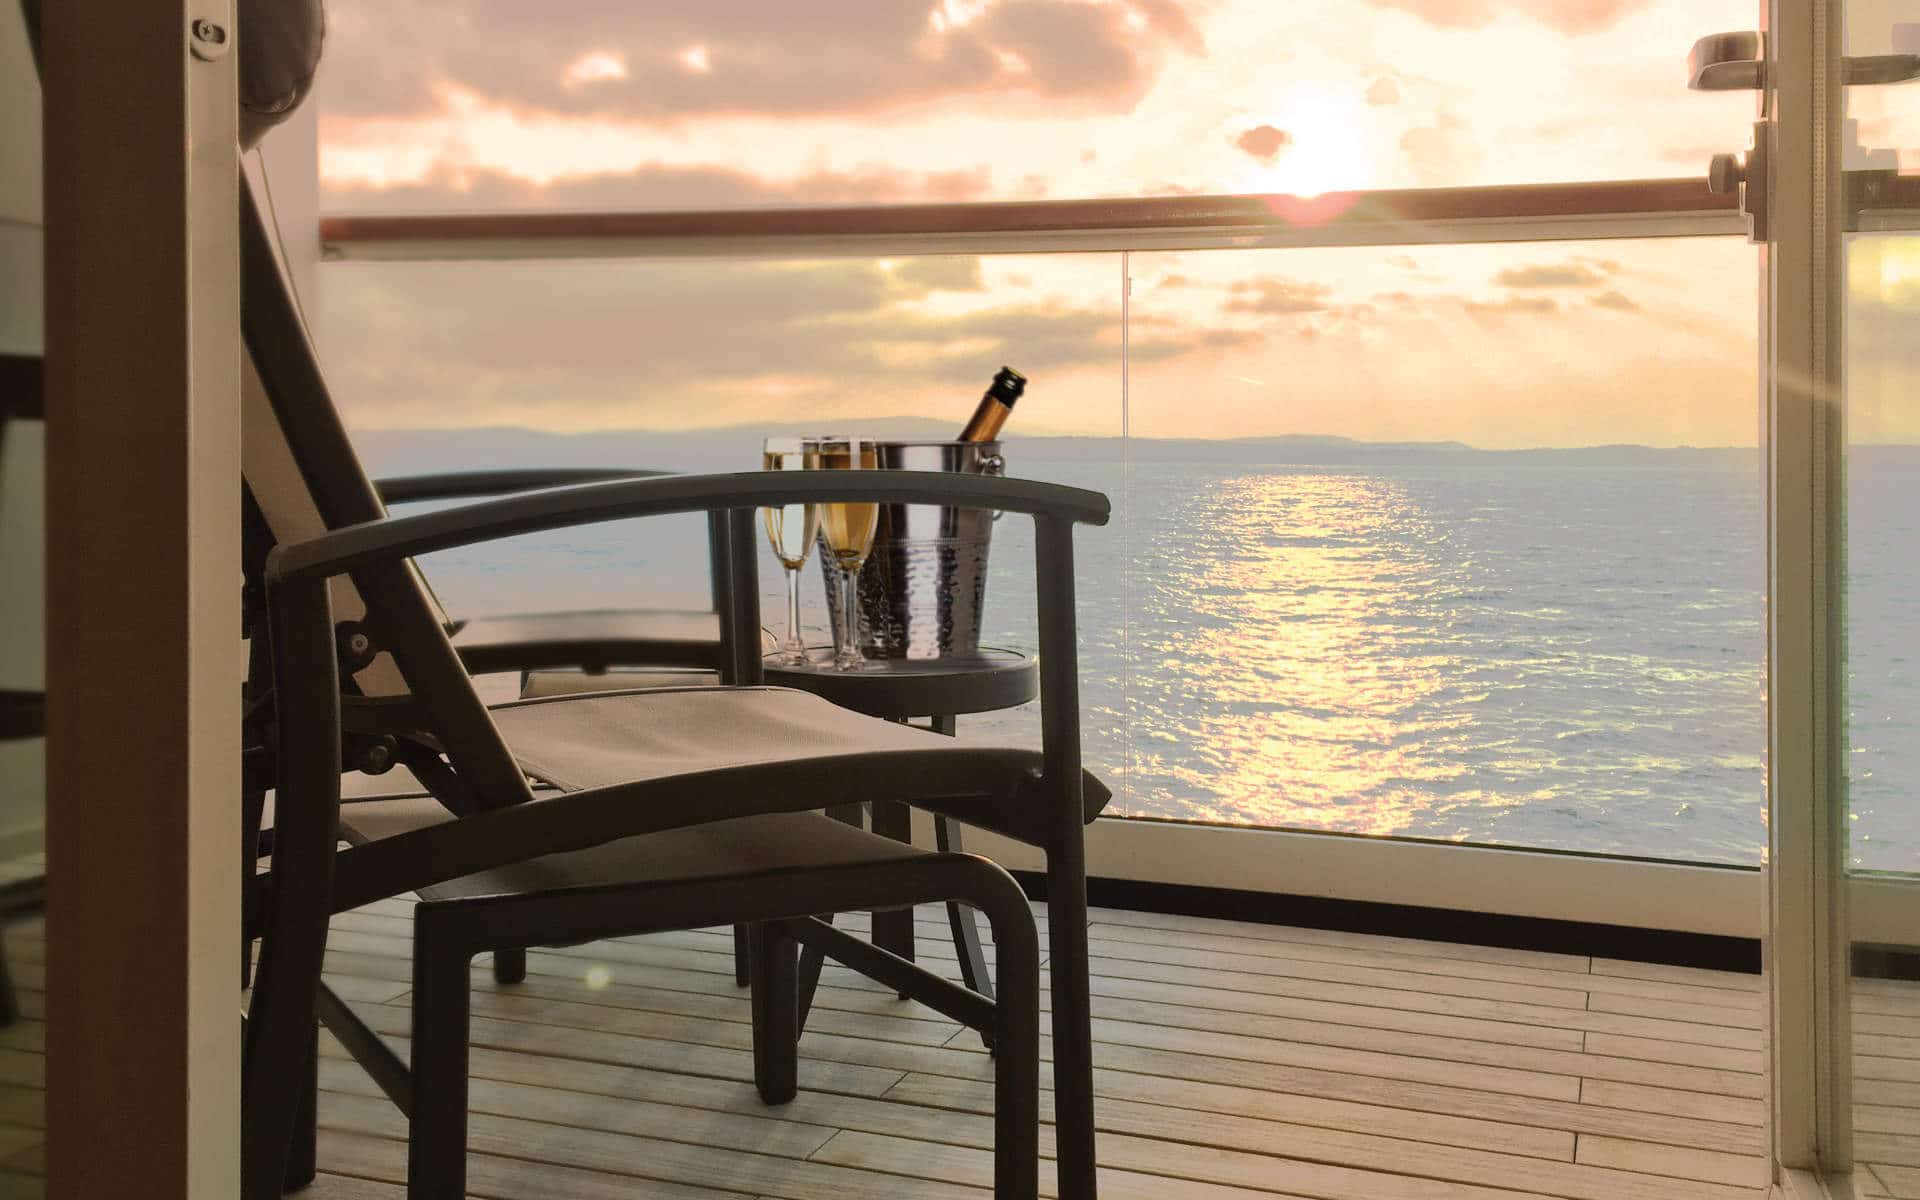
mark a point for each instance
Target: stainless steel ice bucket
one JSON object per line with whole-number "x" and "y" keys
{"x": 924, "y": 586}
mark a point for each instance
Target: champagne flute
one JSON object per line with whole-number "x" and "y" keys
{"x": 848, "y": 530}
{"x": 790, "y": 529}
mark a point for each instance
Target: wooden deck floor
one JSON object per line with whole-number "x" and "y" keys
{"x": 1237, "y": 1062}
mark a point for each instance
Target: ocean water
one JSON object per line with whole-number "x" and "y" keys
{"x": 1535, "y": 650}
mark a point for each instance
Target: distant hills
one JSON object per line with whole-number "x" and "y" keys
{"x": 390, "y": 452}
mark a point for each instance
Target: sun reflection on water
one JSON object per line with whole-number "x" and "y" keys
{"x": 1441, "y": 654}
{"x": 1313, "y": 692}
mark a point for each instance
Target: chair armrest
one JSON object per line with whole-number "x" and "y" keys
{"x": 558, "y": 508}
{"x": 461, "y": 485}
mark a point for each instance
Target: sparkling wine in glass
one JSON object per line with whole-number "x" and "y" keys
{"x": 790, "y": 529}
{"x": 848, "y": 531}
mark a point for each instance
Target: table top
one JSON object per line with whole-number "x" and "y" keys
{"x": 898, "y": 688}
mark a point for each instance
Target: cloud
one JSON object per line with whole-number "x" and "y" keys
{"x": 447, "y": 186}
{"x": 743, "y": 56}
{"x": 1279, "y": 297}
{"x": 1183, "y": 342}
{"x": 941, "y": 273}
{"x": 584, "y": 344}
{"x": 1382, "y": 92}
{"x": 1565, "y": 16}
{"x": 1572, "y": 273}
{"x": 1264, "y": 142}
{"x": 1616, "y": 300}
{"x": 1171, "y": 19}
{"x": 1443, "y": 152}
{"x": 1513, "y": 305}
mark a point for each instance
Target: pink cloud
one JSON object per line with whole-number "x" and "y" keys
{"x": 1279, "y": 297}
{"x": 1264, "y": 142}
{"x": 753, "y": 56}
{"x": 1567, "y": 16}
{"x": 446, "y": 186}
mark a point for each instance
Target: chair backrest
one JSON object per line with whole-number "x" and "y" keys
{"x": 303, "y": 478}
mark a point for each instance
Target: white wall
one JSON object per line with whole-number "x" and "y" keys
{"x": 22, "y": 459}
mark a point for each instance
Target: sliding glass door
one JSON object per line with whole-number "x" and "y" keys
{"x": 1880, "y": 258}
{"x": 1840, "y": 290}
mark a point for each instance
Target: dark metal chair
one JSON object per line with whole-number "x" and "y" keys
{"x": 364, "y": 675}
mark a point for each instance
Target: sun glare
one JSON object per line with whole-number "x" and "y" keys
{"x": 1328, "y": 147}
{"x": 697, "y": 59}
{"x": 1899, "y": 275}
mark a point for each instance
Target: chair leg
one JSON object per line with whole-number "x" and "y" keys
{"x": 302, "y": 1153}
{"x": 1072, "y": 1016}
{"x": 893, "y": 930}
{"x": 966, "y": 933}
{"x": 742, "y": 951}
{"x": 776, "y": 1015}
{"x": 1016, "y": 1068}
{"x": 280, "y": 1031}
{"x": 811, "y": 960}
{"x": 510, "y": 966}
{"x": 437, "y": 1138}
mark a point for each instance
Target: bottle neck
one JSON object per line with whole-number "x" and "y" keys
{"x": 987, "y": 420}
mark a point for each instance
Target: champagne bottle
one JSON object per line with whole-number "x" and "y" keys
{"x": 995, "y": 406}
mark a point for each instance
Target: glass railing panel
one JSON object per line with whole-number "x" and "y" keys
{"x": 679, "y": 106}
{"x": 686, "y": 365}
{"x": 1453, "y": 542}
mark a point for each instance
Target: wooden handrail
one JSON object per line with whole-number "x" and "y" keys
{"x": 1684, "y": 205}
{"x": 1056, "y": 216}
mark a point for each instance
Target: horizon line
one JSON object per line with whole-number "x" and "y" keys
{"x": 761, "y": 428}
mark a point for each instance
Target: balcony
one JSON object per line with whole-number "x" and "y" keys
{"x": 1502, "y": 648}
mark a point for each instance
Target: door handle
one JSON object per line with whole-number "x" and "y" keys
{"x": 1732, "y": 62}
{"x": 1727, "y": 62}
{"x": 1880, "y": 68}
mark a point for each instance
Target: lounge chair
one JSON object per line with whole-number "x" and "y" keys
{"x": 386, "y": 684}
{"x": 539, "y": 810}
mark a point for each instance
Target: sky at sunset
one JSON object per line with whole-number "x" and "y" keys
{"x": 458, "y": 105}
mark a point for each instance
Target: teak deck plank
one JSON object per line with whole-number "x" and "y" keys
{"x": 1234, "y": 1062}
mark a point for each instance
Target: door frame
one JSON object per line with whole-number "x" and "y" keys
{"x": 1802, "y": 309}
{"x": 143, "y": 642}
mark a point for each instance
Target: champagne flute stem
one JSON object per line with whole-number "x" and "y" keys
{"x": 793, "y": 648}
{"x": 849, "y": 618}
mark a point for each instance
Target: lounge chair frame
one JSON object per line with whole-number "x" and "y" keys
{"x": 310, "y": 881}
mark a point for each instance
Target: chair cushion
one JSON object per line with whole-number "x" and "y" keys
{"x": 608, "y": 738}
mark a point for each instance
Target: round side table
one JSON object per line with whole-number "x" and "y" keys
{"x": 938, "y": 690}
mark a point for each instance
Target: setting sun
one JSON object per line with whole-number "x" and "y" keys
{"x": 1325, "y": 149}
